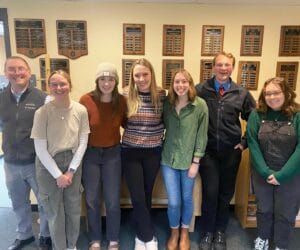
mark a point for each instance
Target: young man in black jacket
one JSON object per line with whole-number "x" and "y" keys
{"x": 227, "y": 102}
{"x": 18, "y": 103}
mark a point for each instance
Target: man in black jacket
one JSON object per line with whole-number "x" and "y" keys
{"x": 18, "y": 103}
{"x": 227, "y": 102}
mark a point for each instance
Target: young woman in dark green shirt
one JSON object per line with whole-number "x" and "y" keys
{"x": 273, "y": 133}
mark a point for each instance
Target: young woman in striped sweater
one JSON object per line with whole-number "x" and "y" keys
{"x": 141, "y": 147}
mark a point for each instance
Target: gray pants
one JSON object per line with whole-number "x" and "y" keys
{"x": 277, "y": 207}
{"x": 20, "y": 179}
{"x": 61, "y": 205}
{"x": 102, "y": 171}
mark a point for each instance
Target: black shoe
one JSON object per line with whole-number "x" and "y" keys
{"x": 219, "y": 242}
{"x": 206, "y": 242}
{"x": 45, "y": 243}
{"x": 19, "y": 244}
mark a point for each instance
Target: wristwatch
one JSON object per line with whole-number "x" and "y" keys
{"x": 72, "y": 170}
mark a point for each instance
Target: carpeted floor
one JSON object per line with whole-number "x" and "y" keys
{"x": 237, "y": 238}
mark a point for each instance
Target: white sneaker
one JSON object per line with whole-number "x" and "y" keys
{"x": 277, "y": 248}
{"x": 139, "y": 245}
{"x": 260, "y": 244}
{"x": 152, "y": 245}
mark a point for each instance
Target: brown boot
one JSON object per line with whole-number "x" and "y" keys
{"x": 173, "y": 240}
{"x": 184, "y": 243}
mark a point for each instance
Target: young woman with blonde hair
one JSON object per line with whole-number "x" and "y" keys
{"x": 141, "y": 147}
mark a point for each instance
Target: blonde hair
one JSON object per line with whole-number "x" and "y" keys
{"x": 223, "y": 53}
{"x": 16, "y": 58}
{"x": 191, "y": 92}
{"x": 133, "y": 95}
{"x": 63, "y": 73}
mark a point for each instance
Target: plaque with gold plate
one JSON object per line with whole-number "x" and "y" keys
{"x": 289, "y": 41}
{"x": 168, "y": 70}
{"x": 126, "y": 68}
{"x": 289, "y": 71}
{"x": 72, "y": 38}
{"x": 173, "y": 40}
{"x": 30, "y": 37}
{"x": 252, "y": 40}
{"x": 206, "y": 69}
{"x": 55, "y": 64}
{"x": 133, "y": 39}
{"x": 248, "y": 74}
{"x": 212, "y": 40}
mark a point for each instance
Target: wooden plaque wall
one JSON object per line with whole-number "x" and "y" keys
{"x": 248, "y": 74}
{"x": 252, "y": 40}
{"x": 133, "y": 39}
{"x": 55, "y": 64}
{"x": 169, "y": 68}
{"x": 30, "y": 37}
{"x": 289, "y": 71}
{"x": 206, "y": 66}
{"x": 72, "y": 38}
{"x": 289, "y": 41}
{"x": 173, "y": 40}
{"x": 126, "y": 68}
{"x": 212, "y": 40}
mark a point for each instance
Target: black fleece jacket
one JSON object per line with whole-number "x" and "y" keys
{"x": 224, "y": 130}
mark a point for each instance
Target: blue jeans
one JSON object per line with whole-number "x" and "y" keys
{"x": 180, "y": 195}
{"x": 102, "y": 175}
{"x": 20, "y": 179}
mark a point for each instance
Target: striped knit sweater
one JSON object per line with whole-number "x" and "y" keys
{"x": 144, "y": 129}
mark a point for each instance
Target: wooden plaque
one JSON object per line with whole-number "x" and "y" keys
{"x": 169, "y": 68}
{"x": 133, "y": 39}
{"x": 30, "y": 37}
{"x": 248, "y": 74}
{"x": 289, "y": 41}
{"x": 72, "y": 38}
{"x": 173, "y": 40}
{"x": 126, "y": 68}
{"x": 252, "y": 40}
{"x": 55, "y": 64}
{"x": 206, "y": 68}
{"x": 212, "y": 40}
{"x": 289, "y": 71}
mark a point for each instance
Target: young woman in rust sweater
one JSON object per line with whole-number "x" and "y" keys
{"x": 107, "y": 111}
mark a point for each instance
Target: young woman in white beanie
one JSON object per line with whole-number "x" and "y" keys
{"x": 107, "y": 111}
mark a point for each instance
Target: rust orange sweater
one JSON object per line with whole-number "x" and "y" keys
{"x": 104, "y": 126}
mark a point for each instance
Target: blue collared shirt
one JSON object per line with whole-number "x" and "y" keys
{"x": 226, "y": 85}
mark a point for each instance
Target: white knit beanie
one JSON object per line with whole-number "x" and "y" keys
{"x": 107, "y": 69}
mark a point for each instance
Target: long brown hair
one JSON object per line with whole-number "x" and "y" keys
{"x": 191, "y": 92}
{"x": 289, "y": 107}
{"x": 96, "y": 95}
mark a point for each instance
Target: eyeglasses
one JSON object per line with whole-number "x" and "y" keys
{"x": 14, "y": 70}
{"x": 275, "y": 94}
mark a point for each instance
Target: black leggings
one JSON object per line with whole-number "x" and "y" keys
{"x": 140, "y": 168}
